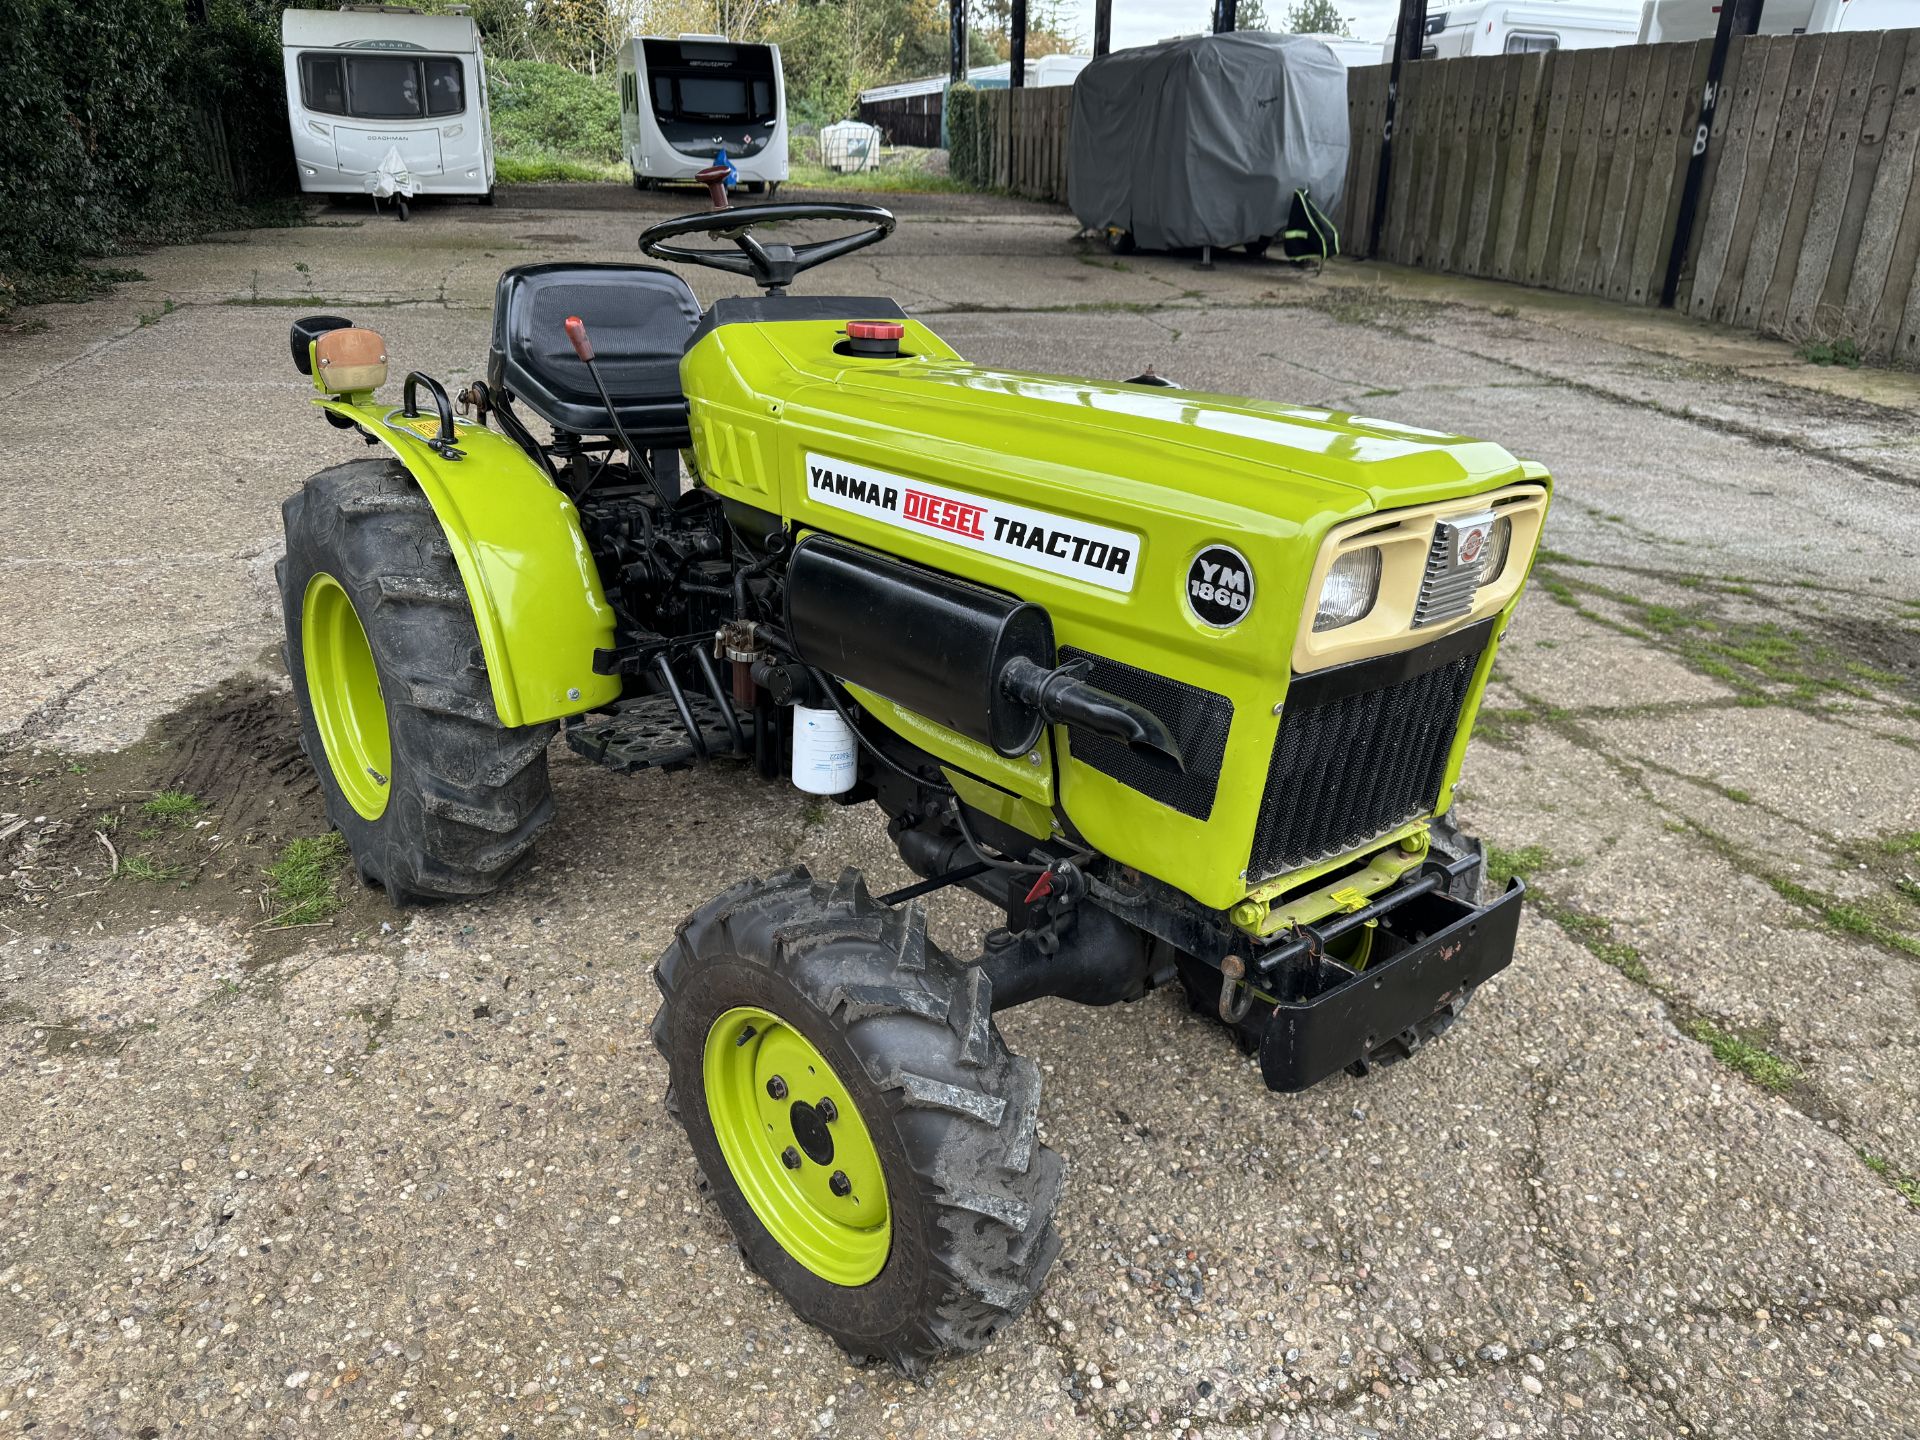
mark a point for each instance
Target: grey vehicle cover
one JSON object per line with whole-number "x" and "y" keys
{"x": 1203, "y": 141}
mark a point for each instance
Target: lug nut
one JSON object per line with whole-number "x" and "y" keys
{"x": 826, "y": 1110}
{"x": 777, "y": 1088}
{"x": 838, "y": 1182}
{"x": 790, "y": 1158}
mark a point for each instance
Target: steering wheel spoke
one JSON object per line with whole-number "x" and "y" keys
{"x": 772, "y": 266}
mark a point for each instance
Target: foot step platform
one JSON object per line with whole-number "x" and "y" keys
{"x": 647, "y": 734}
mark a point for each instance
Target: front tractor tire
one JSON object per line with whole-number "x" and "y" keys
{"x": 436, "y": 799}
{"x": 857, "y": 1117}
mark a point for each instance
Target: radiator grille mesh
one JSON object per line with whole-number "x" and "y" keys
{"x": 1349, "y": 769}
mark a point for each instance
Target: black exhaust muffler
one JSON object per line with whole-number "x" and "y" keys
{"x": 972, "y": 659}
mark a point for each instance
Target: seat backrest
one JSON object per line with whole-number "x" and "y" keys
{"x": 639, "y": 317}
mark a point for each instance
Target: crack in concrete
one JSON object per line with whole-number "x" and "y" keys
{"x": 1723, "y": 424}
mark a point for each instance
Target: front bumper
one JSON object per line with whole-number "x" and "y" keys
{"x": 1429, "y": 948}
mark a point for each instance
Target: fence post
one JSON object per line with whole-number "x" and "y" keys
{"x": 1736, "y": 16}
{"x": 1409, "y": 37}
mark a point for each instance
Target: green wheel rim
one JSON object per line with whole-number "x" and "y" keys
{"x": 770, "y": 1095}
{"x": 343, "y": 688}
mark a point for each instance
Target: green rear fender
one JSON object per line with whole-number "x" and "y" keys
{"x": 536, "y": 596}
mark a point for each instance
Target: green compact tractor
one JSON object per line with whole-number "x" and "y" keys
{"x": 1179, "y": 683}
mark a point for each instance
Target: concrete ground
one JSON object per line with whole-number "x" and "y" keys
{"x": 409, "y": 1175}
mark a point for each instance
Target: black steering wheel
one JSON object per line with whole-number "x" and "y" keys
{"x": 771, "y": 266}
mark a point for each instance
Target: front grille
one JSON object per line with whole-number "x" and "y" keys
{"x": 1446, "y": 590}
{"x": 1198, "y": 719}
{"x": 1362, "y": 749}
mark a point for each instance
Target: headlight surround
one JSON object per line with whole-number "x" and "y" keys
{"x": 1352, "y": 585}
{"x": 1499, "y": 541}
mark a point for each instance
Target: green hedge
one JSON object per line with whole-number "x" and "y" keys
{"x": 121, "y": 123}
{"x": 543, "y": 111}
{"x": 969, "y": 136}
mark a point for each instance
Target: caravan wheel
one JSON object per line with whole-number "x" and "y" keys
{"x": 400, "y": 204}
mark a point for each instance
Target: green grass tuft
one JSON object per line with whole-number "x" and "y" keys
{"x": 304, "y": 877}
{"x": 538, "y": 169}
{"x": 1503, "y": 865}
{"x": 139, "y": 867}
{"x": 1907, "y": 1185}
{"x": 1841, "y": 916}
{"x": 1758, "y": 1064}
{"x": 178, "y": 806}
{"x": 1843, "y": 351}
{"x": 899, "y": 179}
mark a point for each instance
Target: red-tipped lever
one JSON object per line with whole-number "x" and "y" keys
{"x": 583, "y": 347}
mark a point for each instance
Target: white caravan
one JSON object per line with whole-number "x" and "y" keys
{"x": 1493, "y": 28}
{"x": 684, "y": 101}
{"x": 1668, "y": 20}
{"x": 384, "y": 101}
{"x": 1350, "y": 52}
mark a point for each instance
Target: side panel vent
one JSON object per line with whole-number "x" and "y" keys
{"x": 1198, "y": 719}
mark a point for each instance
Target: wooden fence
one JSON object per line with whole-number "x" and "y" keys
{"x": 1030, "y": 129}
{"x": 907, "y": 119}
{"x": 1565, "y": 170}
{"x": 1812, "y": 222}
{"x": 1561, "y": 169}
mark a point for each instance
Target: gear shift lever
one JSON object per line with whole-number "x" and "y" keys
{"x": 714, "y": 177}
{"x": 583, "y": 347}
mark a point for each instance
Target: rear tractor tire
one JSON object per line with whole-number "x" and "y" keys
{"x": 857, "y": 1117}
{"x": 435, "y": 797}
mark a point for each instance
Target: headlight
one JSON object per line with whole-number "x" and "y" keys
{"x": 1498, "y": 541}
{"x": 1350, "y": 589}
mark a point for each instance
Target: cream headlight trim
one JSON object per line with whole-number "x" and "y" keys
{"x": 1402, "y": 540}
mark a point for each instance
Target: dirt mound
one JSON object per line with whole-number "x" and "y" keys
{"x": 187, "y": 821}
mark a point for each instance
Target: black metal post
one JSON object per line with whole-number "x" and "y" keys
{"x": 1737, "y": 17}
{"x": 1223, "y": 16}
{"x": 957, "y": 41}
{"x": 1017, "y": 47}
{"x": 1409, "y": 38}
{"x": 1102, "y": 27}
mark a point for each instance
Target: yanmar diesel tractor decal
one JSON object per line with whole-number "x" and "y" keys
{"x": 1076, "y": 549}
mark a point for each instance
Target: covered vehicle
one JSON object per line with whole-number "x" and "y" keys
{"x": 1204, "y": 141}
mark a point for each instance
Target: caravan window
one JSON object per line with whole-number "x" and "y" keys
{"x": 706, "y": 84}
{"x": 382, "y": 87}
{"x": 323, "y": 84}
{"x": 1535, "y": 44}
{"x": 709, "y": 98}
{"x": 446, "y": 90}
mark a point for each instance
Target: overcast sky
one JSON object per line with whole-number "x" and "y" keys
{"x": 1141, "y": 22}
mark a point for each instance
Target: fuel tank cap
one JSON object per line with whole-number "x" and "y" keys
{"x": 879, "y": 338}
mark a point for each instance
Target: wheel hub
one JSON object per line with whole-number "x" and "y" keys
{"x": 796, "y": 1145}
{"x": 810, "y": 1129}
{"x": 343, "y": 689}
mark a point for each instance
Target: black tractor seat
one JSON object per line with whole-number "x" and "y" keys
{"x": 638, "y": 317}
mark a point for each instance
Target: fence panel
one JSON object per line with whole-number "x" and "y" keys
{"x": 1566, "y": 170}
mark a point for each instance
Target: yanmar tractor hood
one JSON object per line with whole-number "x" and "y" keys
{"x": 1298, "y": 451}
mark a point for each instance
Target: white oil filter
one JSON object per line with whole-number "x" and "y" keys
{"x": 823, "y": 747}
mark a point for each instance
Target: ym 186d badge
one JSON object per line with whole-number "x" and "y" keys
{"x": 1220, "y": 586}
